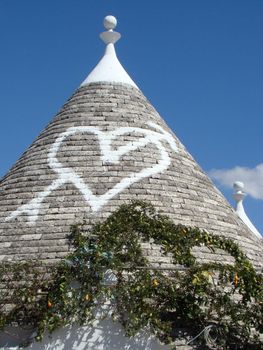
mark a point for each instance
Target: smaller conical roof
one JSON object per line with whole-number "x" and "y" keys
{"x": 239, "y": 196}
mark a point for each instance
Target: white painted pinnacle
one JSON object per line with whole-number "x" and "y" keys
{"x": 109, "y": 69}
{"x": 110, "y": 37}
{"x": 239, "y": 196}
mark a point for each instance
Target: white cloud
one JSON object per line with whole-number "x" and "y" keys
{"x": 252, "y": 178}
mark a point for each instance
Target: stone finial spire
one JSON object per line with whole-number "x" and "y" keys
{"x": 110, "y": 37}
{"x": 239, "y": 196}
{"x": 109, "y": 69}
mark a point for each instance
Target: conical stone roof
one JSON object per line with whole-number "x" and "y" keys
{"x": 106, "y": 146}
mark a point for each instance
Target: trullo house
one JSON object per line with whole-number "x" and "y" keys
{"x": 106, "y": 146}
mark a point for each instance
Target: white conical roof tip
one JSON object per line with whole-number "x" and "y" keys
{"x": 110, "y": 22}
{"x": 109, "y": 68}
{"x": 239, "y": 195}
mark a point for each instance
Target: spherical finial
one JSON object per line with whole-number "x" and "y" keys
{"x": 110, "y": 22}
{"x": 238, "y": 194}
{"x": 238, "y": 186}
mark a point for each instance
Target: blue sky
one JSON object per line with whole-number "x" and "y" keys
{"x": 198, "y": 62}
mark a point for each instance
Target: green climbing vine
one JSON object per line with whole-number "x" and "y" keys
{"x": 213, "y": 303}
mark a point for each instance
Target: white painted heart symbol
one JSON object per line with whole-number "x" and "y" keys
{"x": 68, "y": 175}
